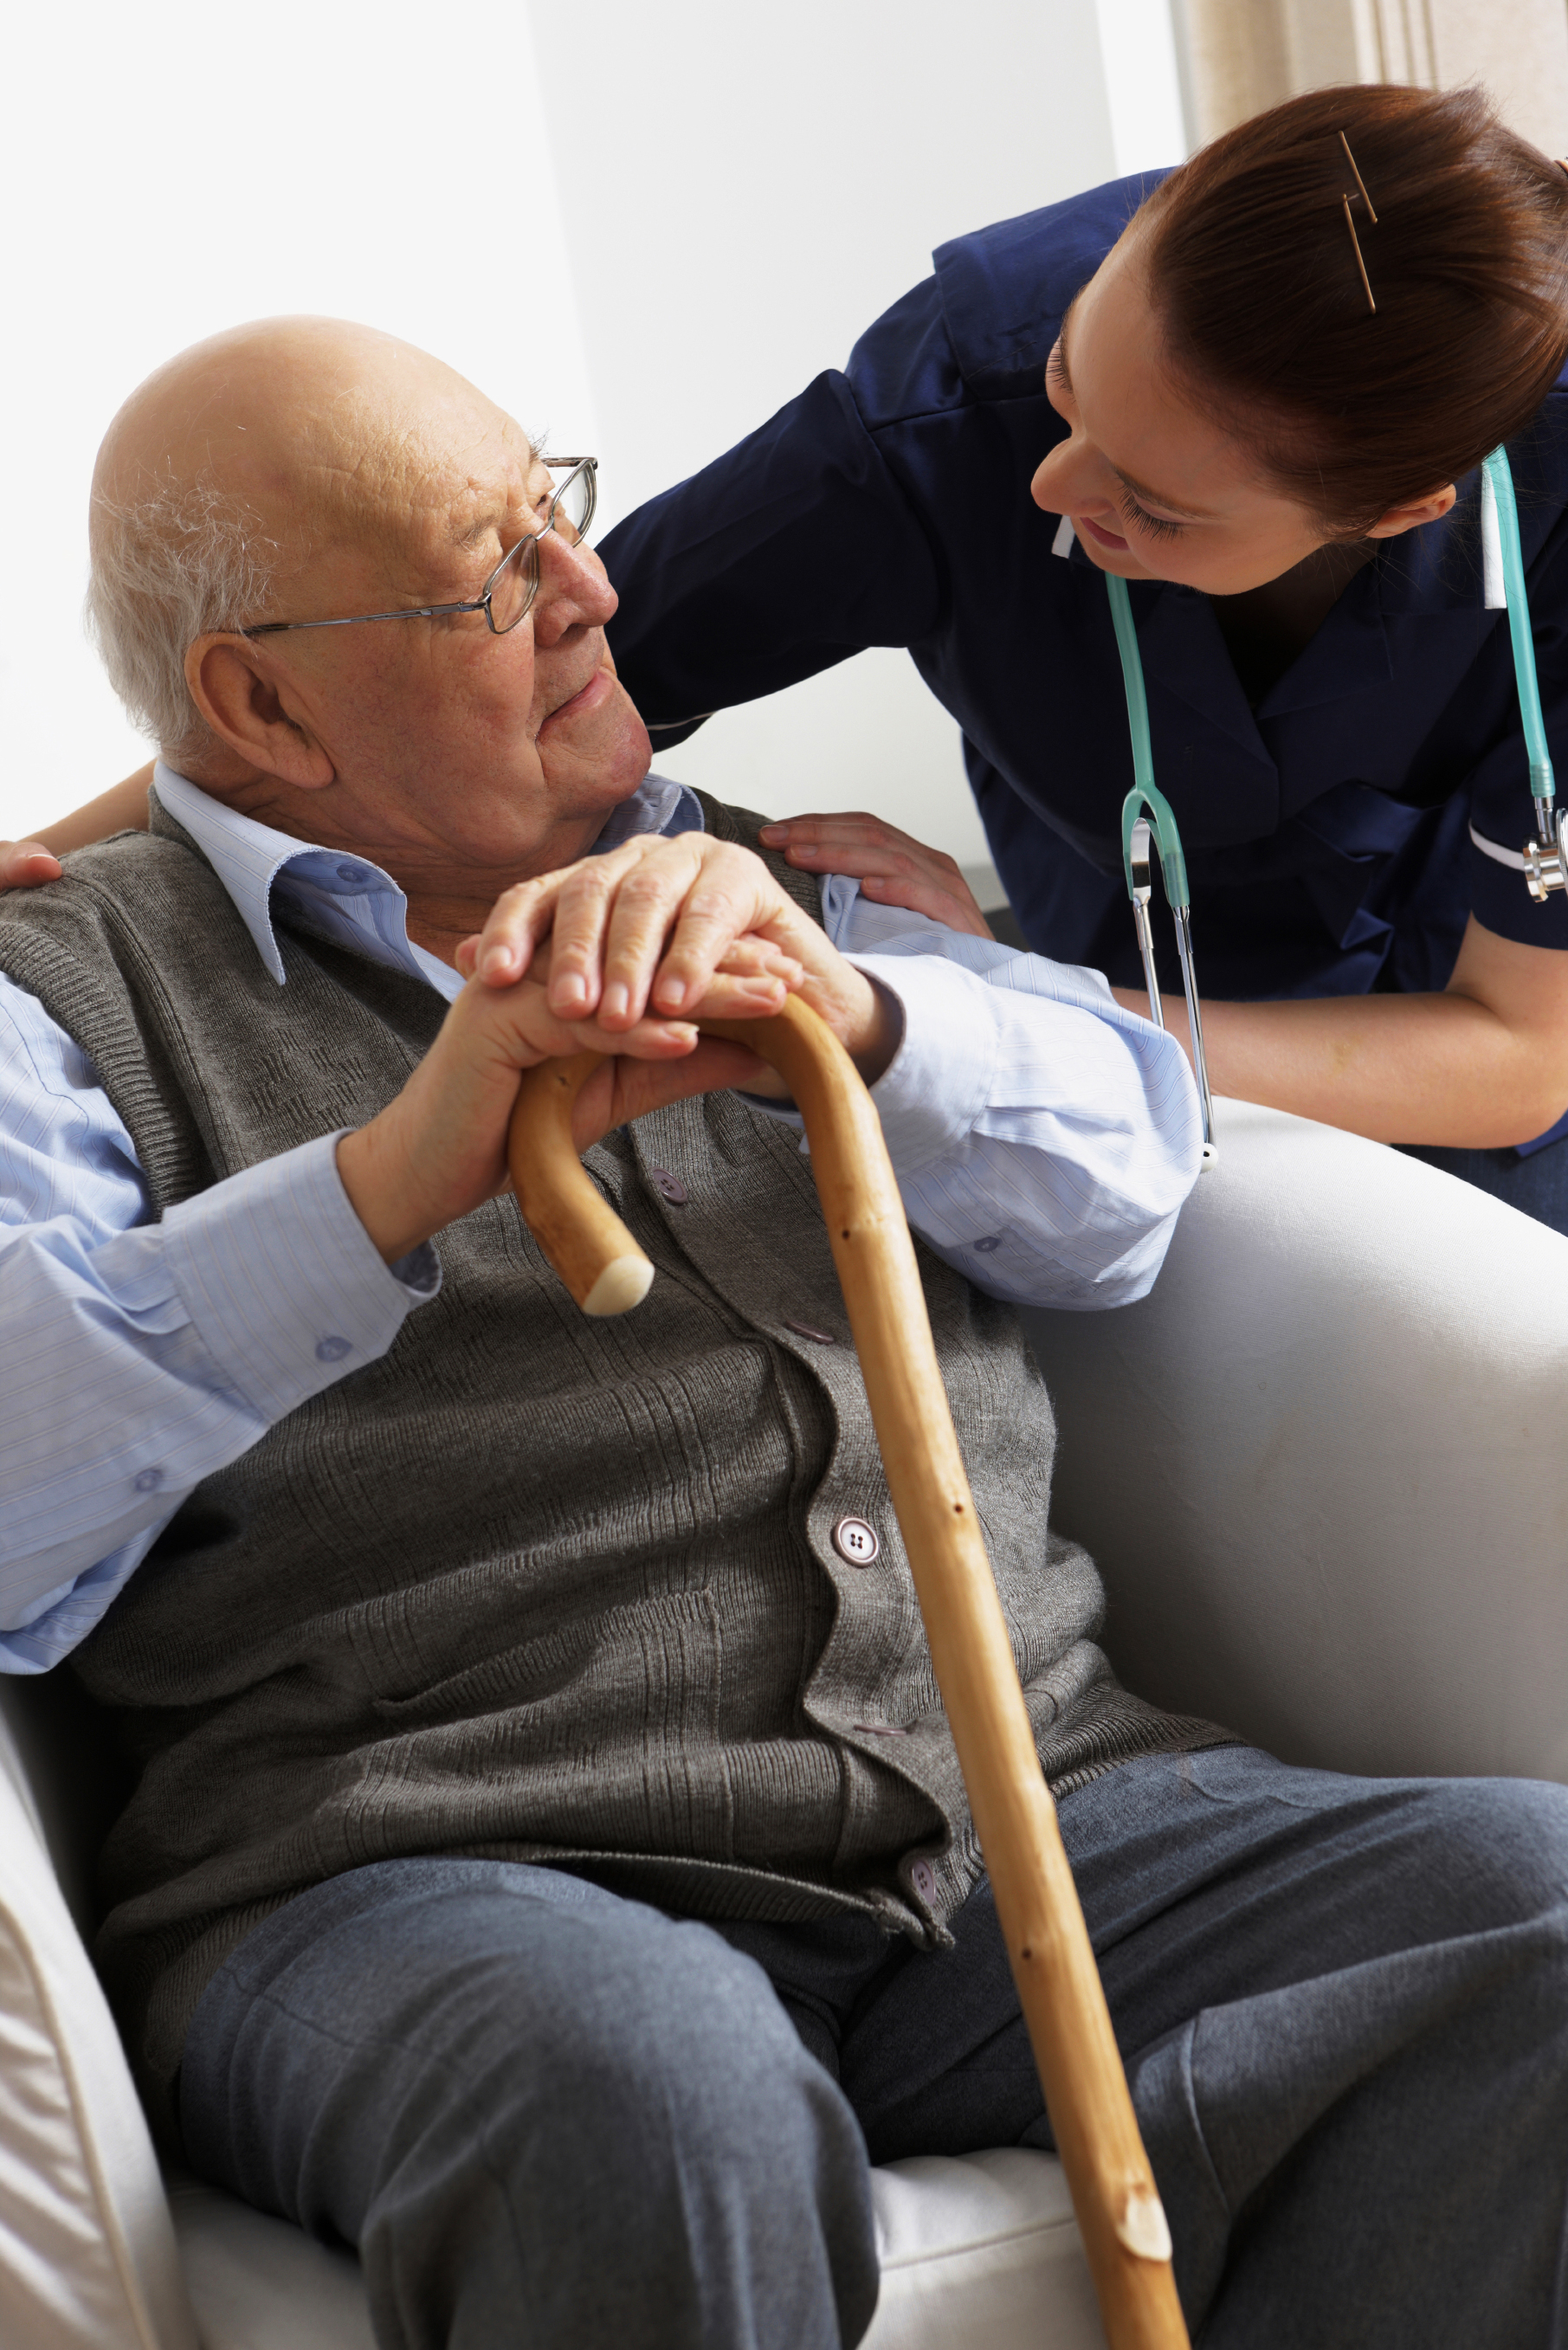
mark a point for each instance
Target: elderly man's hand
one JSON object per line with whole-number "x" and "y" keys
{"x": 598, "y": 958}
{"x": 641, "y": 931}
{"x": 439, "y": 1149}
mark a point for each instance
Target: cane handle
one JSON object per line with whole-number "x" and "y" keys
{"x": 1092, "y": 2119}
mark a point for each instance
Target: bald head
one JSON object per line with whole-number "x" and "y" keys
{"x": 271, "y": 461}
{"x": 300, "y": 472}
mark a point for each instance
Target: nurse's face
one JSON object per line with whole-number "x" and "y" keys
{"x": 1154, "y": 488}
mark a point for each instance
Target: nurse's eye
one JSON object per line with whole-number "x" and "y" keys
{"x": 1155, "y": 525}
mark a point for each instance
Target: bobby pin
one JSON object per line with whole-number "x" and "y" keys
{"x": 1350, "y": 224}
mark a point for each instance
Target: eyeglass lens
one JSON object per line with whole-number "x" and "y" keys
{"x": 514, "y": 588}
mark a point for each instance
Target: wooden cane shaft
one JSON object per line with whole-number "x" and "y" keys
{"x": 1059, "y": 1986}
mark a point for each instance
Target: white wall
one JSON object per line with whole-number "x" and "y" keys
{"x": 797, "y": 172}
{"x": 708, "y": 206}
{"x": 175, "y": 168}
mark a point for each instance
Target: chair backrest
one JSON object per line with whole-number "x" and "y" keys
{"x": 1321, "y": 1464}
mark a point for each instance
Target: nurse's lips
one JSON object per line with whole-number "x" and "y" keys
{"x": 1106, "y": 537}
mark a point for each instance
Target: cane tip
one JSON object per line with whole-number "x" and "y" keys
{"x": 624, "y": 1283}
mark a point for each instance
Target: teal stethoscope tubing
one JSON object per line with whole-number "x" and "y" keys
{"x": 1146, "y": 813}
{"x": 1499, "y": 482}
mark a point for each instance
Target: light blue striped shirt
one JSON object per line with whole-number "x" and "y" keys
{"x": 1043, "y": 1139}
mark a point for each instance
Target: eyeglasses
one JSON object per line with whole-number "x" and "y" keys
{"x": 509, "y": 592}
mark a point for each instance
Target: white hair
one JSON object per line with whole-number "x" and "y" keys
{"x": 171, "y": 566}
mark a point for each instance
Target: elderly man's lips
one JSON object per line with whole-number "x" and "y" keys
{"x": 1106, "y": 537}
{"x": 586, "y": 698}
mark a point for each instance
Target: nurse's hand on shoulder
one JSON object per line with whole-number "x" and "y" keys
{"x": 27, "y": 864}
{"x": 23, "y": 864}
{"x": 892, "y": 869}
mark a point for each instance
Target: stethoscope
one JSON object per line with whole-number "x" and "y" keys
{"x": 1148, "y": 820}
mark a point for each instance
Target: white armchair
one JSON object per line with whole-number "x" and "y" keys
{"x": 1321, "y": 1470}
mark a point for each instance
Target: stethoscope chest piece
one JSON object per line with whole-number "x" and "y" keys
{"x": 1546, "y": 862}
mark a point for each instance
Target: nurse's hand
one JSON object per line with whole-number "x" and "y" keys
{"x": 28, "y": 863}
{"x": 891, "y": 868}
{"x": 23, "y": 864}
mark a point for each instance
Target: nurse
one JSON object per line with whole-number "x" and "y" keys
{"x": 1258, "y": 392}
{"x": 1258, "y": 389}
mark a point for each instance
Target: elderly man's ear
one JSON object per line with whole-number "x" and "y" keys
{"x": 235, "y": 684}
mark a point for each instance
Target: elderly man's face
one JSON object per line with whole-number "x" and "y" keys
{"x": 478, "y": 737}
{"x": 390, "y": 483}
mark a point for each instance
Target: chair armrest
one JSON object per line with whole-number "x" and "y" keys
{"x": 87, "y": 2259}
{"x": 1322, "y": 1465}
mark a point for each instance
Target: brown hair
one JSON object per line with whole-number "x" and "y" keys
{"x": 1253, "y": 274}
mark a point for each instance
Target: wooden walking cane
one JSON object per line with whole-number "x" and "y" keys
{"x": 1113, "y": 2193}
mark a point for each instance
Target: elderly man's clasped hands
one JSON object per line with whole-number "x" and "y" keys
{"x": 621, "y": 954}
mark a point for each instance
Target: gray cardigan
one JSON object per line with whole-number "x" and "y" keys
{"x": 554, "y": 1589}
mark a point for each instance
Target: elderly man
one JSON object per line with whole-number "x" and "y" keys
{"x": 547, "y": 1869}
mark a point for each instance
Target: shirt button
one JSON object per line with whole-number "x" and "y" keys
{"x": 853, "y": 1539}
{"x": 356, "y": 873}
{"x": 670, "y": 1186}
{"x": 807, "y": 1330}
{"x": 149, "y": 1481}
{"x": 923, "y": 1878}
{"x": 332, "y": 1350}
{"x": 984, "y": 1247}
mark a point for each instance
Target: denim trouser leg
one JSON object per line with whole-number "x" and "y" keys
{"x": 1343, "y": 2004}
{"x": 544, "y": 2114}
{"x": 551, "y": 2117}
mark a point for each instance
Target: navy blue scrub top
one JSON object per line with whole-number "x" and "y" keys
{"x": 1328, "y": 835}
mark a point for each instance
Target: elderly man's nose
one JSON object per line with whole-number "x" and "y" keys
{"x": 574, "y": 589}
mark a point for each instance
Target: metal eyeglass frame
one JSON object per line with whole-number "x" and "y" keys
{"x": 526, "y": 550}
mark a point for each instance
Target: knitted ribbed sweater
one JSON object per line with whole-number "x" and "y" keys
{"x": 533, "y": 1585}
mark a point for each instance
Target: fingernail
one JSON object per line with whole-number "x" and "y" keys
{"x": 497, "y": 963}
{"x": 570, "y": 991}
{"x": 772, "y": 831}
{"x": 672, "y": 994}
{"x": 616, "y": 1001}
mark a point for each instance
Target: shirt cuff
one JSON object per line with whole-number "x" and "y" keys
{"x": 283, "y": 1284}
{"x": 942, "y": 1077}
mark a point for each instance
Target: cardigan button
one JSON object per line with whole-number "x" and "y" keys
{"x": 669, "y": 1186}
{"x": 923, "y": 1878}
{"x": 853, "y": 1539}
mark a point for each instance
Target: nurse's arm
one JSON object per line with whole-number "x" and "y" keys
{"x": 26, "y": 863}
{"x": 1482, "y": 1065}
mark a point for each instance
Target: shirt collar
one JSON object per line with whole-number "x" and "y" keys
{"x": 347, "y": 899}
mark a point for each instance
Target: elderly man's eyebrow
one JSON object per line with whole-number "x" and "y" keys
{"x": 1128, "y": 481}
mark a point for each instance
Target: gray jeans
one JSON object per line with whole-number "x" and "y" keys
{"x": 549, "y": 2117}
